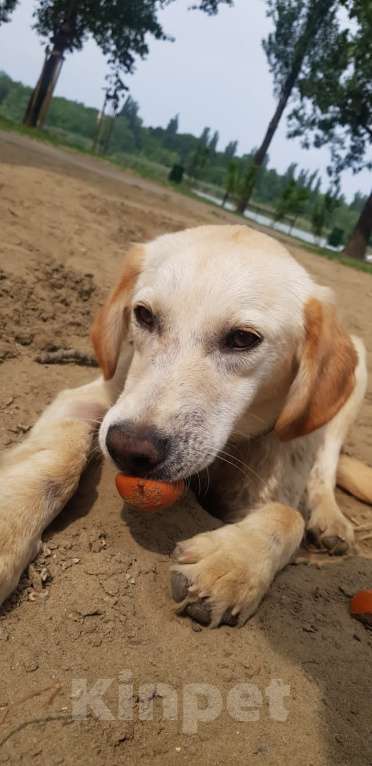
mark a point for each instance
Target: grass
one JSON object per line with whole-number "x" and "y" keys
{"x": 155, "y": 172}
{"x": 343, "y": 259}
{"x": 40, "y": 135}
{"x": 59, "y": 137}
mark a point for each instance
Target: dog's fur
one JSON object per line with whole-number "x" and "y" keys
{"x": 267, "y": 424}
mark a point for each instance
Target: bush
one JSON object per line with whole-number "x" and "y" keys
{"x": 336, "y": 237}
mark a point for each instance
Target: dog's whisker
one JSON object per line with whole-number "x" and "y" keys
{"x": 228, "y": 462}
{"x": 221, "y": 457}
{"x": 255, "y": 417}
{"x": 95, "y": 451}
{"x": 96, "y": 421}
{"x": 237, "y": 463}
{"x": 208, "y": 480}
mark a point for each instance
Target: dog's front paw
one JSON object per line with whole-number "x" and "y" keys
{"x": 220, "y": 577}
{"x": 16, "y": 553}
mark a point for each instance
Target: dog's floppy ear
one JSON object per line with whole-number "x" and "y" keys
{"x": 111, "y": 323}
{"x": 325, "y": 375}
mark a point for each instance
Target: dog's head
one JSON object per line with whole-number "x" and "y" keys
{"x": 215, "y": 333}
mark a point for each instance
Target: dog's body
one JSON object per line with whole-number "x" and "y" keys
{"x": 221, "y": 359}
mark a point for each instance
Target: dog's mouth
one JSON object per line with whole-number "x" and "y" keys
{"x": 166, "y": 472}
{"x": 148, "y": 452}
{"x": 169, "y": 471}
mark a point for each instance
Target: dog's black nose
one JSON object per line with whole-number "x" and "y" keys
{"x": 136, "y": 449}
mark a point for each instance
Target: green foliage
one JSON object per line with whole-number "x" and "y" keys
{"x": 130, "y": 112}
{"x": 205, "y": 137}
{"x": 302, "y": 28}
{"x": 72, "y": 117}
{"x": 6, "y": 85}
{"x": 318, "y": 219}
{"x": 322, "y": 212}
{"x": 120, "y": 29}
{"x": 336, "y": 237}
{"x": 213, "y": 142}
{"x": 335, "y": 94}
{"x": 211, "y": 6}
{"x": 248, "y": 180}
{"x": 231, "y": 149}
{"x": 176, "y": 173}
{"x": 198, "y": 160}
{"x": 335, "y": 105}
{"x": 292, "y": 201}
{"x": 13, "y": 98}
{"x": 232, "y": 179}
{"x": 358, "y": 202}
{"x": 171, "y": 132}
{"x": 6, "y": 9}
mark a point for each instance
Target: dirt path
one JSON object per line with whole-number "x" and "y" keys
{"x": 95, "y": 604}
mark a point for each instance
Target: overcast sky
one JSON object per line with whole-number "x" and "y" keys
{"x": 215, "y": 74}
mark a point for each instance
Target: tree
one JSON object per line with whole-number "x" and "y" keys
{"x": 120, "y": 29}
{"x": 291, "y": 171}
{"x": 6, "y": 9}
{"x": 318, "y": 219}
{"x": 211, "y": 6}
{"x": 303, "y": 178}
{"x": 357, "y": 203}
{"x": 231, "y": 149}
{"x": 301, "y": 29}
{"x": 213, "y": 142}
{"x": 323, "y": 211}
{"x": 5, "y": 86}
{"x": 231, "y": 183}
{"x": 336, "y": 237}
{"x": 292, "y": 202}
{"x": 198, "y": 161}
{"x": 205, "y": 137}
{"x": 335, "y": 107}
{"x": 170, "y": 132}
{"x": 130, "y": 111}
{"x": 312, "y": 179}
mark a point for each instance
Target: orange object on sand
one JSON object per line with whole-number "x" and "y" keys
{"x": 147, "y": 494}
{"x": 361, "y": 606}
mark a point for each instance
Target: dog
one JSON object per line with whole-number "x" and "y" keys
{"x": 221, "y": 356}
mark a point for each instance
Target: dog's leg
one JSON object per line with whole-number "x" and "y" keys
{"x": 327, "y": 525}
{"x": 38, "y": 477}
{"x": 221, "y": 576}
{"x": 355, "y": 477}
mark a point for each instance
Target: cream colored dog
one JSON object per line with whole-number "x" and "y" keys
{"x": 219, "y": 353}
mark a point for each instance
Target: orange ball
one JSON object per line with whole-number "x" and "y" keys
{"x": 147, "y": 494}
{"x": 361, "y": 606}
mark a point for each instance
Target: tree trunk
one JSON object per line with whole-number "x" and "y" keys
{"x": 108, "y": 136}
{"x": 263, "y": 149}
{"x": 99, "y": 128}
{"x": 356, "y": 246}
{"x": 41, "y": 96}
{"x": 224, "y": 199}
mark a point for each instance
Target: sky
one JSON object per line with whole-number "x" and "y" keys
{"x": 215, "y": 74}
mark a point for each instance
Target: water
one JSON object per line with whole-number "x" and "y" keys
{"x": 264, "y": 220}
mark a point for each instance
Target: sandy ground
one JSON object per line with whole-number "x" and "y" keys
{"x": 95, "y": 604}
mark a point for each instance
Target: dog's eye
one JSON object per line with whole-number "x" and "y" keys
{"x": 242, "y": 340}
{"x": 144, "y": 316}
